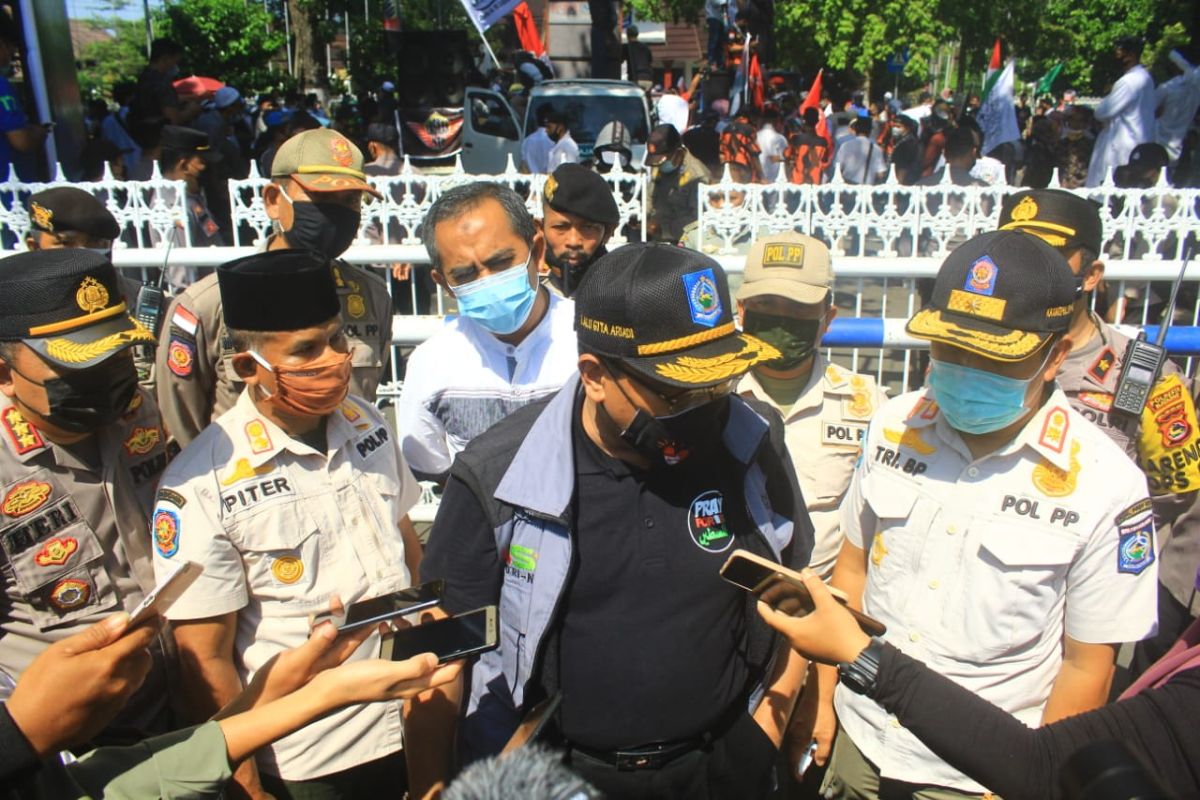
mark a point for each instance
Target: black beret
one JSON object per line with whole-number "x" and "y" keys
{"x": 66, "y": 304}
{"x": 1060, "y": 218}
{"x": 574, "y": 189}
{"x": 188, "y": 142}
{"x": 280, "y": 290}
{"x": 66, "y": 208}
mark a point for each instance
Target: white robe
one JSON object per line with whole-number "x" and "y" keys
{"x": 1128, "y": 116}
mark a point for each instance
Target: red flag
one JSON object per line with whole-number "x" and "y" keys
{"x": 755, "y": 80}
{"x": 995, "y": 63}
{"x": 813, "y": 100}
{"x": 527, "y": 30}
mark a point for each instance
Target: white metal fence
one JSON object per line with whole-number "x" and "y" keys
{"x": 883, "y": 237}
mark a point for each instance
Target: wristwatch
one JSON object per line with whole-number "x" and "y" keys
{"x": 859, "y": 675}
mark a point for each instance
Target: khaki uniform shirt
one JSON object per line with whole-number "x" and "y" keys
{"x": 824, "y": 430}
{"x": 73, "y": 536}
{"x": 196, "y": 381}
{"x": 279, "y": 528}
{"x": 980, "y": 567}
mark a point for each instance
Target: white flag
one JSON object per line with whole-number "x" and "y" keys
{"x": 486, "y": 13}
{"x": 997, "y": 115}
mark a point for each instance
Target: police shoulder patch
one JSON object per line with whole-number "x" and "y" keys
{"x": 166, "y": 532}
{"x": 181, "y": 357}
{"x": 1135, "y": 548}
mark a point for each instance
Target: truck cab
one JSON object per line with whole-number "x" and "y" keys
{"x": 492, "y": 131}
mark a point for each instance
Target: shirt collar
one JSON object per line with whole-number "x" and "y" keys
{"x": 811, "y": 396}
{"x": 21, "y": 438}
{"x": 257, "y": 439}
{"x": 1049, "y": 432}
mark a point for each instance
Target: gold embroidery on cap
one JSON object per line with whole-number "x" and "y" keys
{"x": 1014, "y": 344}
{"x": 341, "y": 151}
{"x": 686, "y": 369}
{"x": 550, "y": 188}
{"x": 789, "y": 254}
{"x": 76, "y": 353}
{"x": 1025, "y": 210}
{"x": 91, "y": 296}
{"x": 976, "y": 305}
{"x": 42, "y": 217}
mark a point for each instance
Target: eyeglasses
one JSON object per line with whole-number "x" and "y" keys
{"x": 681, "y": 400}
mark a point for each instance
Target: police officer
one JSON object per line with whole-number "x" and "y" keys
{"x": 674, "y": 173}
{"x": 314, "y": 198}
{"x": 296, "y": 492}
{"x": 81, "y": 449}
{"x": 1166, "y": 432}
{"x": 65, "y": 216}
{"x": 598, "y": 521}
{"x": 186, "y": 156}
{"x": 1003, "y": 540}
{"x": 579, "y": 216}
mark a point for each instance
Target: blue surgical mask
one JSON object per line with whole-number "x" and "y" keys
{"x": 667, "y": 167}
{"x": 501, "y": 303}
{"x": 977, "y": 401}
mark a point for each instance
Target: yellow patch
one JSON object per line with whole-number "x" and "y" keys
{"x": 242, "y": 470}
{"x": 25, "y": 497}
{"x": 550, "y": 188}
{"x": 257, "y": 436}
{"x": 91, "y": 295}
{"x": 878, "y": 549}
{"x": 1054, "y": 482}
{"x": 142, "y": 441}
{"x": 976, "y": 305}
{"x": 783, "y": 254}
{"x": 710, "y": 370}
{"x": 911, "y": 439}
{"x": 42, "y": 217}
{"x": 355, "y": 306}
{"x": 288, "y": 569}
{"x": 1025, "y": 210}
{"x": 73, "y": 353}
{"x": 350, "y": 412}
{"x": 859, "y": 406}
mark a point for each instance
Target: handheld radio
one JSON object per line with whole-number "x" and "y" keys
{"x": 1143, "y": 361}
{"x": 151, "y": 298}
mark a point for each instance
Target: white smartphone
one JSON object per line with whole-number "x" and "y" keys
{"x": 164, "y": 595}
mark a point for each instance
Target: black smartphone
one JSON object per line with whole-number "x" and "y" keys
{"x": 380, "y": 609}
{"x": 449, "y": 639}
{"x": 783, "y": 589}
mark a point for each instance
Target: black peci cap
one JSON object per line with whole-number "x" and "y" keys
{"x": 66, "y": 208}
{"x": 188, "y": 142}
{"x": 66, "y": 304}
{"x": 1001, "y": 295}
{"x": 1060, "y": 218}
{"x": 280, "y": 290}
{"x": 664, "y": 312}
{"x": 574, "y": 189}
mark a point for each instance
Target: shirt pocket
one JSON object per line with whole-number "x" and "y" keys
{"x": 283, "y": 557}
{"x": 902, "y": 523}
{"x": 61, "y": 577}
{"x": 1011, "y": 586}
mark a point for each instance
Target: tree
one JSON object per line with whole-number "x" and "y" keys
{"x": 103, "y": 63}
{"x": 231, "y": 40}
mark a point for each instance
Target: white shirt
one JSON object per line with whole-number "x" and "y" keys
{"x": 564, "y": 151}
{"x": 918, "y": 112}
{"x": 673, "y": 110}
{"x": 1128, "y": 114}
{"x": 279, "y": 528}
{"x": 990, "y": 171}
{"x": 772, "y": 143}
{"x": 823, "y": 431}
{"x": 462, "y": 380}
{"x": 1178, "y": 98}
{"x": 980, "y": 567}
{"x": 852, "y": 156}
{"x": 535, "y": 151}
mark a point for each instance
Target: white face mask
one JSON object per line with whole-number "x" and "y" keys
{"x": 608, "y": 157}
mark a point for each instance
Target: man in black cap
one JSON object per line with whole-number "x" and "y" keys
{"x": 579, "y": 216}
{"x": 296, "y": 493}
{"x": 81, "y": 449}
{"x": 185, "y": 155}
{"x": 674, "y": 171}
{"x": 1002, "y": 539}
{"x": 65, "y": 216}
{"x": 599, "y": 520}
{"x": 1166, "y": 432}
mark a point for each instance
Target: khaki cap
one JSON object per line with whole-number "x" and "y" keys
{"x": 789, "y": 265}
{"x": 322, "y": 160}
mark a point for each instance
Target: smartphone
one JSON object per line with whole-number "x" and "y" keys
{"x": 783, "y": 589}
{"x": 449, "y": 639}
{"x": 379, "y": 609}
{"x": 806, "y": 760}
{"x": 533, "y": 724}
{"x": 164, "y": 595}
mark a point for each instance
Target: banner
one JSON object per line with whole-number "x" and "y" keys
{"x": 1046, "y": 82}
{"x": 527, "y": 30}
{"x": 997, "y": 115}
{"x": 486, "y": 13}
{"x": 813, "y": 100}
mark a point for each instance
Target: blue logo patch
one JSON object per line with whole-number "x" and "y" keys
{"x": 704, "y": 302}
{"x": 1135, "y": 551}
{"x": 981, "y": 277}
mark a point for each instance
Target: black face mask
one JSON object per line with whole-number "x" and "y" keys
{"x": 566, "y": 277}
{"x": 672, "y": 439}
{"x": 86, "y": 400}
{"x": 328, "y": 228}
{"x": 795, "y": 339}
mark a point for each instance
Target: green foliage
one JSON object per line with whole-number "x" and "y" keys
{"x": 230, "y": 40}
{"x": 101, "y": 64}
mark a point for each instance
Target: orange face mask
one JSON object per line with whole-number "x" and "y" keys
{"x": 310, "y": 390}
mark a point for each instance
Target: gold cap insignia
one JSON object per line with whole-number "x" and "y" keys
{"x": 42, "y": 217}
{"x": 91, "y": 296}
{"x": 550, "y": 188}
{"x": 1025, "y": 210}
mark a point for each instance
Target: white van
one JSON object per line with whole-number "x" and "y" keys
{"x": 492, "y": 131}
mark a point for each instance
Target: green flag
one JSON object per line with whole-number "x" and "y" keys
{"x": 1047, "y": 81}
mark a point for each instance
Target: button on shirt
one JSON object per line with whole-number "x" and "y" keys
{"x": 979, "y": 567}
{"x": 279, "y": 527}
{"x": 824, "y": 430}
{"x": 462, "y": 380}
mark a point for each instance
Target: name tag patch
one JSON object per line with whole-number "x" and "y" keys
{"x": 843, "y": 433}
{"x": 251, "y": 494}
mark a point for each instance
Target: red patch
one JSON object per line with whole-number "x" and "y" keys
{"x": 70, "y": 593}
{"x": 926, "y": 408}
{"x": 180, "y": 357}
{"x": 1103, "y": 364}
{"x": 1054, "y": 429}
{"x": 1101, "y": 401}
{"x": 341, "y": 151}
{"x": 56, "y": 552}
{"x": 25, "y": 438}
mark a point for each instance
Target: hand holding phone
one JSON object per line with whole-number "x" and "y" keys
{"x": 449, "y": 639}
{"x": 381, "y": 609}
{"x": 168, "y": 590}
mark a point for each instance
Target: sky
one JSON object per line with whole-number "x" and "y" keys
{"x": 77, "y": 9}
